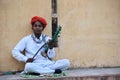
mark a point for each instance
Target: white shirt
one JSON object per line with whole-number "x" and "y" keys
{"x": 30, "y": 44}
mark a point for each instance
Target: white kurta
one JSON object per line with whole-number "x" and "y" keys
{"x": 30, "y": 44}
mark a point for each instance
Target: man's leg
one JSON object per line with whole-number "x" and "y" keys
{"x": 35, "y": 67}
{"x": 60, "y": 64}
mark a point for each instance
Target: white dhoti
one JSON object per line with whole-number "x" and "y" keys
{"x": 47, "y": 66}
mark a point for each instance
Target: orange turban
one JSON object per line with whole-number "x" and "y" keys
{"x": 42, "y": 20}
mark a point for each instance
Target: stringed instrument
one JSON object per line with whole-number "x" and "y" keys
{"x": 54, "y": 37}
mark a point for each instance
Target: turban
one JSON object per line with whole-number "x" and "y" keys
{"x": 40, "y": 19}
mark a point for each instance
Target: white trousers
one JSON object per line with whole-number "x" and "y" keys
{"x": 47, "y": 68}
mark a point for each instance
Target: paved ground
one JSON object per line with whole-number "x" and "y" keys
{"x": 73, "y": 73}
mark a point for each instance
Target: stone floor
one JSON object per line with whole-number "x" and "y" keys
{"x": 75, "y": 74}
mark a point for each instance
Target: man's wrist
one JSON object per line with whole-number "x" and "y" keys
{"x": 51, "y": 48}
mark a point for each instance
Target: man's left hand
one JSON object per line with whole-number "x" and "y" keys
{"x": 51, "y": 44}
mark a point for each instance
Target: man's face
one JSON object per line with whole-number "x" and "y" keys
{"x": 37, "y": 27}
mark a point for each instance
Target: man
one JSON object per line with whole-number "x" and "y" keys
{"x": 42, "y": 62}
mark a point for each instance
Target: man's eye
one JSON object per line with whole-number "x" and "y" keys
{"x": 38, "y": 25}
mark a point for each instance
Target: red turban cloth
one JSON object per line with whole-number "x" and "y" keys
{"x": 40, "y": 19}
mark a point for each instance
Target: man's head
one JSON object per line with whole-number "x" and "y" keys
{"x": 38, "y": 24}
{"x": 40, "y": 19}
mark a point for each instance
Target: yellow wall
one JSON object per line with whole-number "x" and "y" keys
{"x": 90, "y": 34}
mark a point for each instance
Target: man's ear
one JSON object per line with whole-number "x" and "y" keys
{"x": 43, "y": 28}
{"x": 32, "y": 27}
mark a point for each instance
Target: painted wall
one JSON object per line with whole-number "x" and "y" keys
{"x": 90, "y": 34}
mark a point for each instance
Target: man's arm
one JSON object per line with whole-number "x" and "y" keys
{"x": 17, "y": 51}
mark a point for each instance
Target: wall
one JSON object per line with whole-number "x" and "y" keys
{"x": 90, "y": 34}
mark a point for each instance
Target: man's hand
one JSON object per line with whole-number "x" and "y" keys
{"x": 29, "y": 60}
{"x": 44, "y": 54}
{"x": 51, "y": 44}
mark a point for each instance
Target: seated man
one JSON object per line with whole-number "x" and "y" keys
{"x": 42, "y": 62}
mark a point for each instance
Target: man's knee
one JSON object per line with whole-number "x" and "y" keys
{"x": 28, "y": 66}
{"x": 67, "y": 62}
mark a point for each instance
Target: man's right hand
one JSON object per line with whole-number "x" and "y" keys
{"x": 29, "y": 60}
{"x": 44, "y": 54}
